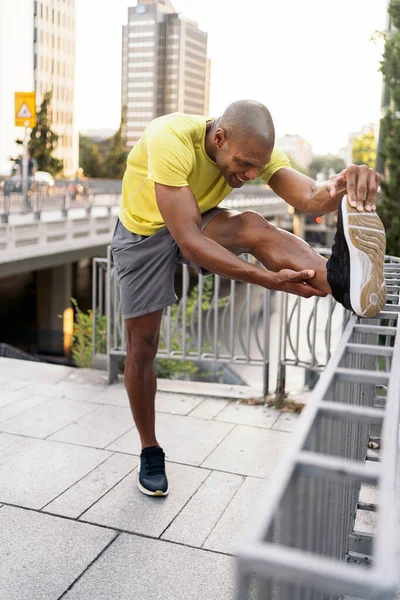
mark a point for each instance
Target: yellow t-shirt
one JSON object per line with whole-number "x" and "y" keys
{"x": 171, "y": 152}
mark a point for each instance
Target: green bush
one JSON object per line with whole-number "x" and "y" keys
{"x": 82, "y": 344}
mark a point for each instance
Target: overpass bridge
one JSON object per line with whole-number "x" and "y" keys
{"x": 56, "y": 230}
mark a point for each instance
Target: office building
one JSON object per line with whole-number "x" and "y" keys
{"x": 165, "y": 67}
{"x": 37, "y": 53}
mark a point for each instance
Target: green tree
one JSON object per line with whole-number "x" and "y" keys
{"x": 90, "y": 158}
{"x": 389, "y": 147}
{"x": 115, "y": 162}
{"x": 43, "y": 140}
{"x": 324, "y": 163}
{"x": 363, "y": 152}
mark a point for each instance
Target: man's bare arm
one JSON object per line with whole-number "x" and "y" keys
{"x": 358, "y": 181}
{"x": 181, "y": 214}
{"x": 304, "y": 193}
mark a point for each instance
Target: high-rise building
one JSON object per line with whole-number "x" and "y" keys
{"x": 165, "y": 67}
{"x": 37, "y": 53}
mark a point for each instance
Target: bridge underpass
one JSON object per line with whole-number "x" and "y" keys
{"x": 44, "y": 249}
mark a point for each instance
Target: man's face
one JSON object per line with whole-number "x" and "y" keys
{"x": 241, "y": 161}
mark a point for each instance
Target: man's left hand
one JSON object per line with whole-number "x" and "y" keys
{"x": 360, "y": 183}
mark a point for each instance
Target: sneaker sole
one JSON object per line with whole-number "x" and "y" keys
{"x": 150, "y": 493}
{"x": 366, "y": 241}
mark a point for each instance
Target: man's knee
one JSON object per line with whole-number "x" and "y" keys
{"x": 253, "y": 228}
{"x": 142, "y": 340}
{"x": 142, "y": 350}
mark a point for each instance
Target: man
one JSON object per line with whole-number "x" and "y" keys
{"x": 177, "y": 174}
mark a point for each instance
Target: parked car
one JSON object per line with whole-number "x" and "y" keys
{"x": 43, "y": 182}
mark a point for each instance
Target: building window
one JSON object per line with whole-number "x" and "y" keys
{"x": 141, "y": 75}
{"x": 140, "y": 104}
{"x": 140, "y": 94}
{"x": 141, "y": 44}
{"x": 140, "y": 65}
{"x": 140, "y": 84}
{"x": 140, "y": 34}
{"x": 140, "y": 54}
{"x": 141, "y": 23}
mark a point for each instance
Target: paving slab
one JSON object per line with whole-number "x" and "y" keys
{"x": 125, "y": 507}
{"x": 78, "y": 391}
{"x": 200, "y": 515}
{"x": 113, "y": 394}
{"x": 134, "y": 567}
{"x": 176, "y": 404}
{"x": 98, "y": 428}
{"x": 34, "y": 472}
{"x": 209, "y": 408}
{"x": 9, "y": 396}
{"x": 249, "y": 451}
{"x": 215, "y": 390}
{"x": 12, "y": 384}
{"x": 25, "y": 370}
{"x": 48, "y": 390}
{"x": 8, "y": 439}
{"x": 17, "y": 407}
{"x": 286, "y": 422}
{"x": 185, "y": 439}
{"x": 81, "y": 496}
{"x": 41, "y": 555}
{"x": 47, "y": 418}
{"x": 255, "y": 415}
{"x": 229, "y": 530}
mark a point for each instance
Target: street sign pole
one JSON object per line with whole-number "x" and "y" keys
{"x": 25, "y": 116}
{"x": 25, "y": 159}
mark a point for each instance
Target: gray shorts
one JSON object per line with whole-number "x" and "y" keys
{"x": 146, "y": 267}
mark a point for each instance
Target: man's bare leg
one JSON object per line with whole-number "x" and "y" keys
{"x": 275, "y": 248}
{"x": 142, "y": 336}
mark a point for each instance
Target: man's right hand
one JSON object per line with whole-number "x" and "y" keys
{"x": 295, "y": 282}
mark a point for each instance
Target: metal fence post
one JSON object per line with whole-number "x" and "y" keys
{"x": 112, "y": 358}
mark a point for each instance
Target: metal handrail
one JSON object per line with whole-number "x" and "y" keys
{"x": 304, "y": 543}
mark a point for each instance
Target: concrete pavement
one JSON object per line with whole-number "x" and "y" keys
{"x": 74, "y": 525}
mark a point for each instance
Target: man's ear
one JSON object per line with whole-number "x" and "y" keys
{"x": 219, "y": 137}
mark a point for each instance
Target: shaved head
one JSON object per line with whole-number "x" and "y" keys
{"x": 248, "y": 119}
{"x": 241, "y": 141}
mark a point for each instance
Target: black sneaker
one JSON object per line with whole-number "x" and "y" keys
{"x": 356, "y": 266}
{"x": 152, "y": 479}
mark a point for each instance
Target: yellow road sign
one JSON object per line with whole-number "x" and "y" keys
{"x": 25, "y": 108}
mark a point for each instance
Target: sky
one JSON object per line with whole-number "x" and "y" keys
{"x": 311, "y": 62}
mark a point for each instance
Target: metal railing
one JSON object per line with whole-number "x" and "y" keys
{"x": 62, "y": 196}
{"x": 42, "y": 198}
{"x": 218, "y": 320}
{"x": 319, "y": 323}
{"x": 311, "y": 539}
